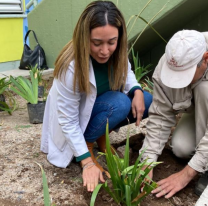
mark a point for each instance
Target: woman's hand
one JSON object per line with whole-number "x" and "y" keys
{"x": 138, "y": 106}
{"x": 91, "y": 174}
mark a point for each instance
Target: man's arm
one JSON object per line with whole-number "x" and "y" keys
{"x": 161, "y": 119}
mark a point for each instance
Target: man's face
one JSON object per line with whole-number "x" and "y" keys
{"x": 200, "y": 71}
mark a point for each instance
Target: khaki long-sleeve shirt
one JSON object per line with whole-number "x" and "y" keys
{"x": 168, "y": 102}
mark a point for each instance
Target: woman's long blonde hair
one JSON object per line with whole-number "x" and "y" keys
{"x": 96, "y": 14}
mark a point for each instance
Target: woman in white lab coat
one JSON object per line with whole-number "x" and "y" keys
{"x": 93, "y": 82}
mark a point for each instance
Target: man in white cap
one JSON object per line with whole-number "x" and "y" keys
{"x": 180, "y": 86}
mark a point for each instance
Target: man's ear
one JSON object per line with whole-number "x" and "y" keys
{"x": 205, "y": 56}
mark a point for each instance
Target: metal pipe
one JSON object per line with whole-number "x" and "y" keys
{"x": 9, "y": 16}
{"x": 31, "y": 3}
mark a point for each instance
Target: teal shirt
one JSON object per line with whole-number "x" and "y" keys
{"x": 101, "y": 77}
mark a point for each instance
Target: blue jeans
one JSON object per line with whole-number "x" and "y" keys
{"x": 114, "y": 106}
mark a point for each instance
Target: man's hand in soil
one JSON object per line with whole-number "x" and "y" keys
{"x": 174, "y": 183}
{"x": 91, "y": 175}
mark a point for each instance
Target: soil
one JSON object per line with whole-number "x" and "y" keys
{"x": 21, "y": 179}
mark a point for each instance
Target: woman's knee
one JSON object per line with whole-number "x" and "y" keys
{"x": 118, "y": 102}
{"x": 116, "y": 105}
{"x": 121, "y": 104}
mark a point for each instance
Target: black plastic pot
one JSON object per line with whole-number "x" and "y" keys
{"x": 2, "y": 99}
{"x": 36, "y": 112}
{"x": 40, "y": 91}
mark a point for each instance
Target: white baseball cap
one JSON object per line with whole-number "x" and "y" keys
{"x": 183, "y": 52}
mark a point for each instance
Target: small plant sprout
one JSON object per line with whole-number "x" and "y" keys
{"x": 130, "y": 184}
{"x": 140, "y": 71}
{"x": 4, "y": 88}
{"x": 47, "y": 200}
{"x": 148, "y": 85}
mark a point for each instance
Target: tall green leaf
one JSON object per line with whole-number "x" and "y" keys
{"x": 128, "y": 195}
{"x": 47, "y": 201}
{"x": 94, "y": 194}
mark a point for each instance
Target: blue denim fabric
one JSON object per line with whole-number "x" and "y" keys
{"x": 114, "y": 106}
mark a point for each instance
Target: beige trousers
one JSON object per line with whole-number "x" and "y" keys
{"x": 183, "y": 141}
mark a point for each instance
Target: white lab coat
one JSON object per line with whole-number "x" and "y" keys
{"x": 67, "y": 115}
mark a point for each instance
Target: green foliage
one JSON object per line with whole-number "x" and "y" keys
{"x": 47, "y": 201}
{"x": 25, "y": 88}
{"x": 148, "y": 85}
{"x": 127, "y": 181}
{"x": 4, "y": 88}
{"x": 3, "y": 84}
{"x": 39, "y": 74}
{"x": 5, "y": 107}
{"x": 41, "y": 82}
{"x": 140, "y": 71}
{"x": 18, "y": 127}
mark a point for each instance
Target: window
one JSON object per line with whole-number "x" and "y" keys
{"x": 11, "y": 6}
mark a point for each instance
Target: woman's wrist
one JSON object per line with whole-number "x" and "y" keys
{"x": 138, "y": 90}
{"x": 86, "y": 161}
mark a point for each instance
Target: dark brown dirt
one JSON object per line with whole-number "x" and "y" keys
{"x": 170, "y": 165}
{"x": 21, "y": 181}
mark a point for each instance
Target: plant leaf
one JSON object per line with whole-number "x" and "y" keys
{"x": 4, "y": 106}
{"x": 128, "y": 195}
{"x": 94, "y": 194}
{"x": 47, "y": 201}
{"x": 108, "y": 190}
{"x": 139, "y": 196}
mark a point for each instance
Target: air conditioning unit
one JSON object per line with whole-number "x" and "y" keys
{"x": 11, "y": 6}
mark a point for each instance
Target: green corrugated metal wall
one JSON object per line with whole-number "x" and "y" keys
{"x": 54, "y": 20}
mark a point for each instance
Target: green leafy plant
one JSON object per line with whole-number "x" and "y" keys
{"x": 140, "y": 71}
{"x": 42, "y": 84}
{"x": 4, "y": 88}
{"x": 25, "y": 88}
{"x": 130, "y": 184}
{"x": 148, "y": 85}
{"x": 47, "y": 201}
{"x": 3, "y": 84}
{"x": 39, "y": 74}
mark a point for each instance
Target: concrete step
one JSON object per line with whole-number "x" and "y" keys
{"x": 24, "y": 73}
